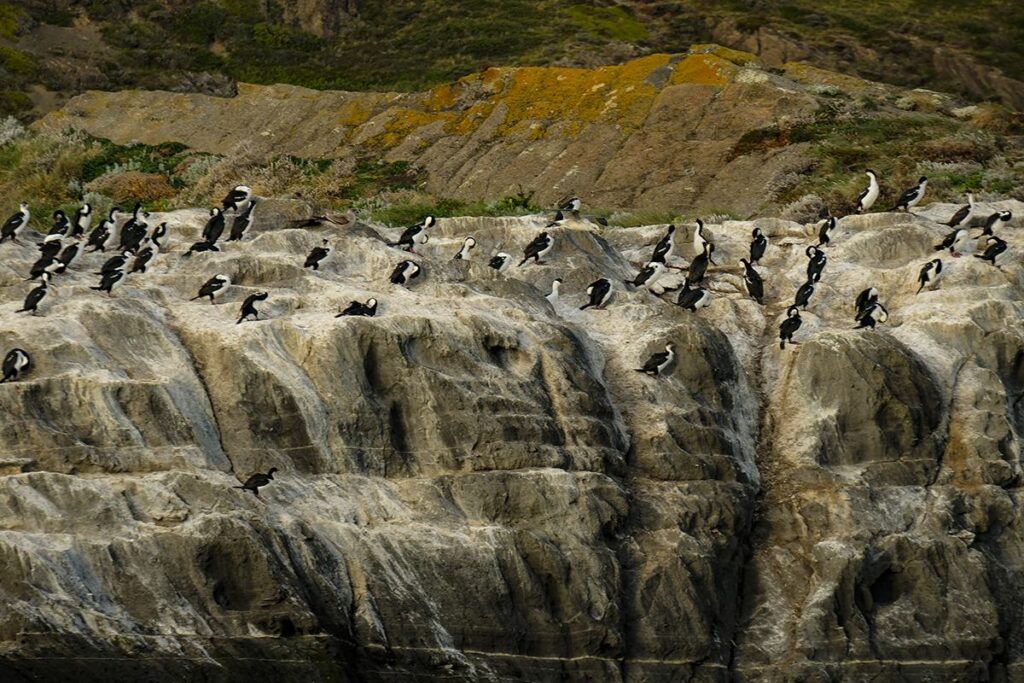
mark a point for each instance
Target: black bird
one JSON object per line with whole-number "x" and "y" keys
{"x": 34, "y": 297}
{"x": 930, "y": 273}
{"x": 500, "y": 261}
{"x": 658, "y": 362}
{"x": 555, "y": 221}
{"x": 101, "y": 233}
{"x": 159, "y": 232}
{"x": 415, "y": 234}
{"x": 803, "y": 295}
{"x": 404, "y": 272}
{"x": 757, "y": 245}
{"x": 213, "y": 288}
{"x": 663, "y": 249}
{"x": 109, "y": 281}
{"x": 61, "y": 224}
{"x": 69, "y": 254}
{"x": 571, "y": 205}
{"x": 115, "y": 263}
{"x": 648, "y": 275}
{"x": 200, "y": 246}
{"x": 911, "y": 197}
{"x": 789, "y": 326}
{"x": 235, "y": 198}
{"x": 46, "y": 265}
{"x": 997, "y": 217}
{"x": 538, "y": 248}
{"x": 255, "y": 481}
{"x": 865, "y": 300}
{"x": 996, "y": 246}
{"x": 83, "y": 218}
{"x": 316, "y": 256}
{"x": 600, "y": 291}
{"x": 134, "y": 231}
{"x": 249, "y": 306}
{"x": 49, "y": 249}
{"x": 369, "y": 309}
{"x": 875, "y": 313}
{"x": 828, "y": 226}
{"x": 952, "y": 238}
{"x": 752, "y": 279}
{"x": 15, "y": 224}
{"x": 242, "y": 222}
{"x": 816, "y": 260}
{"x": 17, "y": 362}
{"x": 699, "y": 265}
{"x": 214, "y": 227}
{"x": 692, "y": 299}
{"x": 962, "y": 217}
{"x": 142, "y": 260}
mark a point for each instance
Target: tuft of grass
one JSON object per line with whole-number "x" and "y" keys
{"x": 615, "y": 23}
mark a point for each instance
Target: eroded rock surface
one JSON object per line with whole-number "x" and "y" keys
{"x": 477, "y": 485}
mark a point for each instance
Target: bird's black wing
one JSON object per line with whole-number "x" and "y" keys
{"x": 211, "y": 287}
{"x": 959, "y": 216}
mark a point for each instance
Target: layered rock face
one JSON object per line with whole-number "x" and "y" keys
{"x": 477, "y": 485}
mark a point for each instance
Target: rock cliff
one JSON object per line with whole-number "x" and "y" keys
{"x": 477, "y": 485}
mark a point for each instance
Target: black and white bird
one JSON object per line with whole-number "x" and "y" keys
{"x": 758, "y": 245}
{"x": 752, "y": 280}
{"x": 134, "y": 230}
{"x": 558, "y": 218}
{"x": 599, "y": 291}
{"x": 556, "y": 286}
{"x": 875, "y": 313}
{"x": 538, "y": 248}
{"x": 214, "y": 287}
{"x": 109, "y": 281}
{"x": 159, "y": 232}
{"x": 414, "y": 235}
{"x": 35, "y": 296}
{"x": 404, "y": 272}
{"x": 500, "y": 261}
{"x": 789, "y": 326}
{"x": 571, "y": 205}
{"x": 61, "y": 224}
{"x": 50, "y": 247}
{"x": 142, "y": 260}
{"x": 17, "y": 363}
{"x": 826, "y": 227}
{"x": 358, "y": 308}
{"x": 256, "y": 481}
{"x": 699, "y": 265}
{"x": 804, "y": 294}
{"x": 693, "y": 298}
{"x": 15, "y": 224}
{"x": 868, "y": 197}
{"x": 994, "y": 246}
{"x": 242, "y": 221}
{"x": 700, "y": 240}
{"x": 46, "y": 265}
{"x": 200, "y": 247}
{"x": 70, "y": 253}
{"x": 930, "y": 274}
{"x": 952, "y": 241}
{"x": 665, "y": 246}
{"x": 648, "y": 275}
{"x": 910, "y": 198}
{"x": 238, "y": 196}
{"x": 249, "y": 306}
{"x": 467, "y": 246}
{"x": 114, "y": 263}
{"x": 214, "y": 227}
{"x": 994, "y": 220}
{"x": 659, "y": 362}
{"x": 865, "y": 300}
{"x": 963, "y": 215}
{"x": 82, "y": 220}
{"x": 99, "y": 236}
{"x": 317, "y": 255}
{"x": 816, "y": 261}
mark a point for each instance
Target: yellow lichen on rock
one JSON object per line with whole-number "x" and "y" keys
{"x": 704, "y": 69}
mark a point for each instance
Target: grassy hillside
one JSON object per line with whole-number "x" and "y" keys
{"x": 412, "y": 44}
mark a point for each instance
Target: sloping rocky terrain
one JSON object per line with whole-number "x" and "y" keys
{"x": 477, "y": 485}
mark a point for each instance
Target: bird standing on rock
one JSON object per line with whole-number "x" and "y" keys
{"x": 823, "y": 233}
{"x": 238, "y": 196}
{"x": 962, "y": 218}
{"x": 213, "y": 288}
{"x": 600, "y": 291}
{"x": 752, "y": 280}
{"x": 467, "y": 246}
{"x": 15, "y": 224}
{"x": 17, "y": 363}
{"x": 758, "y": 245}
{"x": 658, "y": 362}
{"x": 99, "y": 236}
{"x": 555, "y": 292}
{"x": 413, "y": 235}
{"x": 571, "y": 205}
{"x": 35, "y": 297}
{"x": 910, "y": 198}
{"x": 816, "y": 260}
{"x": 255, "y": 481}
{"x": 693, "y": 298}
{"x": 242, "y": 222}
{"x": 317, "y": 255}
{"x": 867, "y": 198}
{"x": 930, "y": 274}
{"x": 952, "y": 241}
{"x": 538, "y": 248}
{"x": 404, "y": 272}
{"x": 500, "y": 261}
{"x": 214, "y": 227}
{"x": 875, "y": 313}
{"x": 865, "y": 300}
{"x": 249, "y": 306}
{"x": 699, "y": 265}
{"x": 994, "y": 247}
{"x": 648, "y": 275}
{"x": 789, "y": 326}
{"x": 665, "y": 246}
